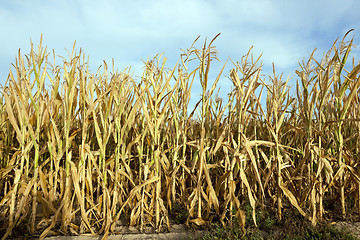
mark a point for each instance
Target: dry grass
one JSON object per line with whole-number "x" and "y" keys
{"x": 85, "y": 151}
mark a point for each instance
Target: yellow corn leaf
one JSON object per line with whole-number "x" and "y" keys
{"x": 20, "y": 208}
{"x": 78, "y": 193}
{"x": 136, "y": 190}
{"x": 353, "y": 172}
{"x": 292, "y": 199}
{"x": 54, "y": 219}
{"x": 336, "y": 176}
{"x": 98, "y": 135}
{"x": 241, "y": 217}
{"x": 11, "y": 116}
{"x": 135, "y": 213}
{"x": 4, "y": 171}
{"x": 254, "y": 162}
{"x": 212, "y": 194}
{"x": 198, "y": 221}
{"x": 328, "y": 169}
{"x": 219, "y": 141}
{"x": 251, "y": 198}
{"x": 43, "y": 183}
{"x": 221, "y": 181}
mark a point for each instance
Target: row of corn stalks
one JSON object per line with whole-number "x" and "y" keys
{"x": 78, "y": 150}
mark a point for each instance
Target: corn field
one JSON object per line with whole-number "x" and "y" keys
{"x": 80, "y": 150}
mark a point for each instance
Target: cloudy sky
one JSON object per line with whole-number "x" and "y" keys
{"x": 128, "y": 30}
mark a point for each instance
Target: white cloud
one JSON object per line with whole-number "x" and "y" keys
{"x": 284, "y": 31}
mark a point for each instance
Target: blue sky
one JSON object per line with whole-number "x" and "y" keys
{"x": 127, "y": 31}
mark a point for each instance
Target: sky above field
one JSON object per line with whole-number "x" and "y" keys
{"x": 284, "y": 31}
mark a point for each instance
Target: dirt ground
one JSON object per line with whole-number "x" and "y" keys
{"x": 177, "y": 232}
{"x": 352, "y": 227}
{"x": 180, "y": 232}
